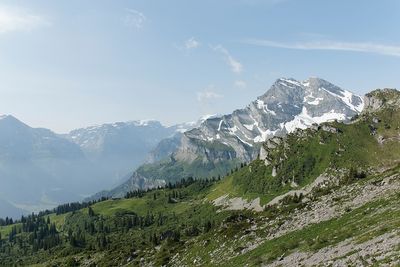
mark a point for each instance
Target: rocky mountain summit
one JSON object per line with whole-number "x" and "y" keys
{"x": 288, "y": 105}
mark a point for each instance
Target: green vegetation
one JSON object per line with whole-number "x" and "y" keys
{"x": 173, "y": 171}
{"x": 362, "y": 224}
{"x": 178, "y": 224}
{"x": 124, "y": 228}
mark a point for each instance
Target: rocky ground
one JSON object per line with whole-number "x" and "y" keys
{"x": 350, "y": 253}
{"x": 335, "y": 204}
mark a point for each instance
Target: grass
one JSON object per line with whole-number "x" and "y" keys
{"x": 5, "y": 230}
{"x": 314, "y": 237}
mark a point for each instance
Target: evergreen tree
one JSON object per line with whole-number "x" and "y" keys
{"x": 90, "y": 211}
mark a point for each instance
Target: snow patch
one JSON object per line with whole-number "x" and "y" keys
{"x": 262, "y": 105}
{"x": 264, "y": 135}
{"x": 347, "y": 98}
{"x": 306, "y": 83}
{"x": 304, "y": 120}
{"x": 289, "y": 83}
{"x": 249, "y": 126}
{"x": 220, "y": 125}
{"x": 315, "y": 100}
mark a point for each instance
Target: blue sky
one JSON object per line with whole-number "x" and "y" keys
{"x": 68, "y": 64}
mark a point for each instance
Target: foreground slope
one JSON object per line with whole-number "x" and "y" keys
{"x": 324, "y": 195}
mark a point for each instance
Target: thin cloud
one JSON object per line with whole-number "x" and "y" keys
{"x": 191, "y": 43}
{"x": 240, "y": 84}
{"x": 14, "y": 19}
{"x": 235, "y": 65}
{"x": 208, "y": 94}
{"x": 367, "y": 47}
{"x": 134, "y": 18}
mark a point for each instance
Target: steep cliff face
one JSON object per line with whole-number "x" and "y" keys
{"x": 381, "y": 98}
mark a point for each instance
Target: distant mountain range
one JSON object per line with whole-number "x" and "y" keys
{"x": 40, "y": 169}
{"x": 220, "y": 143}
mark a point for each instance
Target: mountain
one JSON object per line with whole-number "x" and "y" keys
{"x": 220, "y": 143}
{"x": 169, "y": 145}
{"x": 40, "y": 169}
{"x": 117, "y": 148}
{"x": 162, "y": 150}
{"x": 288, "y": 105}
{"x": 327, "y": 195}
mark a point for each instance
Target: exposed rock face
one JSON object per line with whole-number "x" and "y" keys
{"x": 372, "y": 103}
{"x": 269, "y": 145}
{"x": 380, "y": 98}
{"x": 164, "y": 148}
{"x": 169, "y": 145}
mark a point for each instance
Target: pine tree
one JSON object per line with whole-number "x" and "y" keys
{"x": 90, "y": 211}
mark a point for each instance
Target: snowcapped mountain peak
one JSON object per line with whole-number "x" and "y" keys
{"x": 11, "y": 122}
{"x": 7, "y": 117}
{"x": 289, "y": 82}
{"x": 288, "y": 105}
{"x": 209, "y": 116}
{"x": 146, "y": 122}
{"x": 3, "y": 117}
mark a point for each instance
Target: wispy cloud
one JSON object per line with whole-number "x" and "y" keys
{"x": 14, "y": 19}
{"x": 235, "y": 65}
{"x": 240, "y": 84}
{"x": 191, "y": 43}
{"x": 365, "y": 47}
{"x": 134, "y": 19}
{"x": 208, "y": 94}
